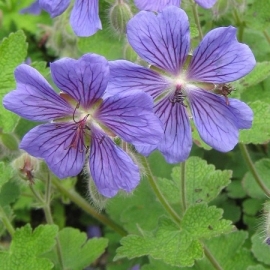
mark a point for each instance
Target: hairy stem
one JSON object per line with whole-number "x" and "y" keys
{"x": 6, "y": 221}
{"x": 240, "y": 25}
{"x": 183, "y": 185}
{"x": 266, "y": 35}
{"x": 84, "y": 205}
{"x": 211, "y": 258}
{"x": 197, "y": 20}
{"x": 48, "y": 215}
{"x": 158, "y": 193}
{"x": 253, "y": 170}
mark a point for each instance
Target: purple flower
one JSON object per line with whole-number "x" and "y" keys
{"x": 158, "y": 5}
{"x": 81, "y": 121}
{"x": 34, "y": 8}
{"x": 176, "y": 78}
{"x": 84, "y": 17}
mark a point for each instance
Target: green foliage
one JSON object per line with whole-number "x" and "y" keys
{"x": 177, "y": 245}
{"x": 27, "y": 247}
{"x": 25, "y": 21}
{"x": 252, "y": 206}
{"x": 235, "y": 190}
{"x": 203, "y": 182}
{"x": 5, "y": 174}
{"x": 13, "y": 51}
{"x": 74, "y": 245}
{"x": 259, "y": 15}
{"x": 201, "y": 195}
{"x": 260, "y": 249}
{"x": 133, "y": 211}
{"x": 229, "y": 251}
{"x": 259, "y": 132}
{"x": 257, "y": 75}
{"x": 9, "y": 193}
{"x": 254, "y": 191}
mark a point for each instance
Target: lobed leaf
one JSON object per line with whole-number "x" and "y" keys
{"x": 77, "y": 251}
{"x": 26, "y": 249}
{"x": 177, "y": 245}
{"x": 13, "y": 51}
{"x": 249, "y": 183}
{"x": 259, "y": 132}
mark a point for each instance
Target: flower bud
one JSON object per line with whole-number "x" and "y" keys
{"x": 120, "y": 14}
{"x": 220, "y": 8}
{"x": 62, "y": 39}
{"x": 26, "y": 166}
{"x": 240, "y": 5}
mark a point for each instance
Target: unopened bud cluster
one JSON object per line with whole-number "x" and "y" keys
{"x": 120, "y": 14}
{"x": 26, "y": 166}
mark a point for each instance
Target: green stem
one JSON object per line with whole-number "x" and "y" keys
{"x": 240, "y": 25}
{"x": 253, "y": 170}
{"x": 211, "y": 258}
{"x": 48, "y": 215}
{"x": 266, "y": 36}
{"x": 6, "y": 221}
{"x": 49, "y": 218}
{"x": 36, "y": 194}
{"x": 197, "y": 20}
{"x": 158, "y": 193}
{"x": 183, "y": 185}
{"x": 82, "y": 203}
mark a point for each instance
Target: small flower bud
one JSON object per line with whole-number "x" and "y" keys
{"x": 120, "y": 14}
{"x": 26, "y": 166}
{"x": 220, "y": 8}
{"x": 240, "y": 5}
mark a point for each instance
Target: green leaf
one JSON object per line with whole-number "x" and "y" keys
{"x": 260, "y": 249}
{"x": 252, "y": 206}
{"x": 5, "y": 173}
{"x": 9, "y": 193}
{"x": 259, "y": 132}
{"x": 13, "y": 51}
{"x": 77, "y": 251}
{"x": 228, "y": 251}
{"x": 27, "y": 247}
{"x": 29, "y": 22}
{"x": 235, "y": 190}
{"x": 133, "y": 211}
{"x": 257, "y": 267}
{"x": 258, "y": 16}
{"x": 175, "y": 245}
{"x": 170, "y": 245}
{"x": 232, "y": 211}
{"x": 158, "y": 265}
{"x": 203, "y": 182}
{"x": 257, "y": 92}
{"x": 257, "y": 75}
{"x": 249, "y": 183}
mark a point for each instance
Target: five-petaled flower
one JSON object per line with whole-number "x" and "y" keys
{"x": 84, "y": 17}
{"x": 158, "y": 5}
{"x": 83, "y": 122}
{"x": 176, "y": 78}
